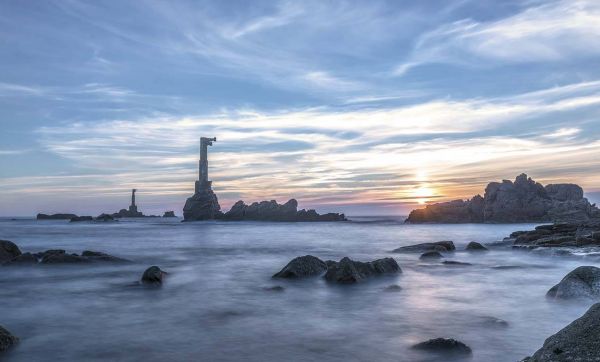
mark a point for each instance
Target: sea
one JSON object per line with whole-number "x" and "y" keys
{"x": 216, "y": 303}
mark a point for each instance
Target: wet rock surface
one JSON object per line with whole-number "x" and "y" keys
{"x": 350, "y": 271}
{"x": 8, "y": 251}
{"x": 475, "y": 246}
{"x": 301, "y": 267}
{"x": 579, "y": 341}
{"x": 424, "y": 247}
{"x": 444, "y": 346}
{"x": 523, "y": 200}
{"x": 559, "y": 235}
{"x": 583, "y": 282}
{"x": 153, "y": 276}
{"x": 431, "y": 255}
{"x": 7, "y": 340}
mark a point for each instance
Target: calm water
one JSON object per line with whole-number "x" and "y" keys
{"x": 214, "y": 307}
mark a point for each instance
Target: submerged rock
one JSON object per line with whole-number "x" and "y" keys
{"x": 423, "y": 247}
{"x": 350, "y": 271}
{"x": 153, "y": 276}
{"x": 475, "y": 246}
{"x": 276, "y": 288}
{"x": 99, "y": 256}
{"x": 7, "y": 340}
{"x": 579, "y": 341}
{"x": 583, "y": 282}
{"x": 8, "y": 251}
{"x": 523, "y": 200}
{"x": 23, "y": 259}
{"x": 302, "y": 266}
{"x": 454, "y": 262}
{"x": 393, "y": 288}
{"x": 444, "y": 345}
{"x": 63, "y": 258}
{"x": 431, "y": 255}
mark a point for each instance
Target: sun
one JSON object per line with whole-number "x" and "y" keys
{"x": 422, "y": 194}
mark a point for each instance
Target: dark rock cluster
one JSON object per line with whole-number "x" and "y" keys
{"x": 7, "y": 340}
{"x": 523, "y": 200}
{"x": 425, "y": 247}
{"x": 11, "y": 255}
{"x": 559, "y": 235}
{"x": 272, "y": 211}
{"x": 345, "y": 271}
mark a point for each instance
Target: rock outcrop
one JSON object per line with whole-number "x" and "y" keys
{"x": 7, "y": 340}
{"x": 169, "y": 214}
{"x": 272, "y": 211}
{"x": 153, "y": 276}
{"x": 350, "y": 271}
{"x": 583, "y": 282}
{"x": 55, "y": 216}
{"x": 558, "y": 235}
{"x": 523, "y": 200}
{"x": 8, "y": 251}
{"x": 301, "y": 267}
{"x": 81, "y": 218}
{"x": 579, "y": 341}
{"x": 444, "y": 346}
{"x": 203, "y": 205}
{"x": 424, "y": 247}
{"x": 475, "y": 246}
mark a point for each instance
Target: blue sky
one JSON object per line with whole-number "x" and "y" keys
{"x": 358, "y": 106}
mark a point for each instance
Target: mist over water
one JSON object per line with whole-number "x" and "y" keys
{"x": 214, "y": 305}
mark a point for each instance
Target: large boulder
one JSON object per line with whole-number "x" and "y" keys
{"x": 8, "y": 251}
{"x": 302, "y": 266}
{"x": 444, "y": 346}
{"x": 579, "y": 341}
{"x": 153, "y": 276}
{"x": 350, "y": 271}
{"x": 203, "y": 205}
{"x": 424, "y": 247}
{"x": 583, "y": 282}
{"x": 475, "y": 246}
{"x": 523, "y": 200}
{"x": 7, "y": 340}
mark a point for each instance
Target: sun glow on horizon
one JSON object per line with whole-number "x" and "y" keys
{"x": 423, "y": 194}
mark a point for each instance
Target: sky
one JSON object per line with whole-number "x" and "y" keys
{"x": 363, "y": 107}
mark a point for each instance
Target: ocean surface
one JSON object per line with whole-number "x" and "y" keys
{"x": 214, "y": 305}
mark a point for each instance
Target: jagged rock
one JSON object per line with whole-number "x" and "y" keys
{"x": 8, "y": 251}
{"x": 55, "y": 216}
{"x": 272, "y": 211}
{"x": 523, "y": 200}
{"x": 579, "y": 341}
{"x": 431, "y": 255}
{"x": 444, "y": 345}
{"x": 558, "y": 235}
{"x": 23, "y": 259}
{"x": 81, "y": 218}
{"x": 63, "y": 258}
{"x": 169, "y": 214}
{"x": 203, "y": 205}
{"x": 302, "y": 266}
{"x": 350, "y": 271}
{"x": 475, "y": 246}
{"x": 437, "y": 246}
{"x": 583, "y": 282}
{"x": 7, "y": 340}
{"x": 153, "y": 276}
{"x": 99, "y": 256}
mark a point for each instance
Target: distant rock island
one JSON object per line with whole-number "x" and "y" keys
{"x": 204, "y": 205}
{"x": 523, "y": 200}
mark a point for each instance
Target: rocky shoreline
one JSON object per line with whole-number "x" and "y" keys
{"x": 521, "y": 201}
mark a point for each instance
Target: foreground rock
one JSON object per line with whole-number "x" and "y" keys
{"x": 475, "y": 246}
{"x": 444, "y": 345}
{"x": 8, "y": 251}
{"x": 424, "y": 247}
{"x": 301, "y": 267}
{"x": 559, "y": 235}
{"x": 350, "y": 271}
{"x": 272, "y": 211}
{"x": 7, "y": 340}
{"x": 583, "y": 282}
{"x": 153, "y": 276}
{"x": 55, "y": 216}
{"x": 579, "y": 341}
{"x": 523, "y": 200}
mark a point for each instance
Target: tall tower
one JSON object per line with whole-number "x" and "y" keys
{"x": 203, "y": 183}
{"x": 133, "y": 207}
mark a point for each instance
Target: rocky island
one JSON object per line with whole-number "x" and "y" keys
{"x": 204, "y": 204}
{"x": 523, "y": 200}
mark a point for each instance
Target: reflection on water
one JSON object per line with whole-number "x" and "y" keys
{"x": 216, "y": 304}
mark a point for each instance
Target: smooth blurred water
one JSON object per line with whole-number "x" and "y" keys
{"x": 213, "y": 306}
